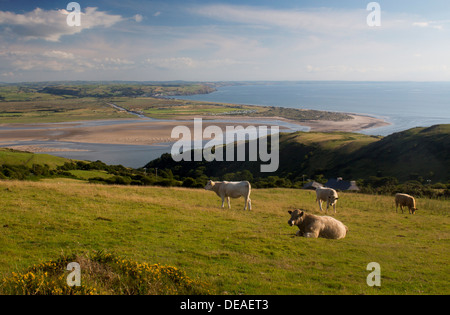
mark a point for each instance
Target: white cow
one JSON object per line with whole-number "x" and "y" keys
{"x": 231, "y": 189}
{"x": 328, "y": 195}
{"x": 314, "y": 226}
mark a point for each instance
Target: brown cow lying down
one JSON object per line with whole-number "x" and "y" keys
{"x": 317, "y": 226}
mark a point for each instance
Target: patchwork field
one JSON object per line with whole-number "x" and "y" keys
{"x": 234, "y": 251}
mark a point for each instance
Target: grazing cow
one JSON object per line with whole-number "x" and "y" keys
{"x": 404, "y": 200}
{"x": 314, "y": 226}
{"x": 231, "y": 189}
{"x": 328, "y": 195}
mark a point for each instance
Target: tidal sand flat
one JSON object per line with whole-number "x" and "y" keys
{"x": 149, "y": 132}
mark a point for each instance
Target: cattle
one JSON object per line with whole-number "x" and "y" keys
{"x": 328, "y": 195}
{"x": 231, "y": 189}
{"x": 404, "y": 200}
{"x": 313, "y": 226}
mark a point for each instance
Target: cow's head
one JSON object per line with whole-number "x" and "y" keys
{"x": 209, "y": 185}
{"x": 297, "y": 217}
{"x": 332, "y": 199}
{"x": 413, "y": 210}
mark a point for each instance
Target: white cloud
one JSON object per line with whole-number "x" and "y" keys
{"x": 138, "y": 18}
{"x": 50, "y": 25}
{"x": 431, "y": 24}
{"x": 59, "y": 54}
{"x": 421, "y": 24}
{"x": 58, "y": 60}
{"x": 319, "y": 20}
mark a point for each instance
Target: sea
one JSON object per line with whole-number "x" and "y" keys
{"x": 404, "y": 105}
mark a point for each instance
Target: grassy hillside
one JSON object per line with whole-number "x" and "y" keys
{"x": 22, "y": 158}
{"x": 233, "y": 251}
{"x": 418, "y": 153}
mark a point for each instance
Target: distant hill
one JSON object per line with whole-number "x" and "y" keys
{"x": 407, "y": 155}
{"x": 418, "y": 153}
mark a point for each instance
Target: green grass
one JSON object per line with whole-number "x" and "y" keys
{"x": 234, "y": 251}
{"x": 57, "y": 110}
{"x": 64, "y": 103}
{"x": 14, "y": 157}
{"x": 158, "y": 108}
{"x": 85, "y": 175}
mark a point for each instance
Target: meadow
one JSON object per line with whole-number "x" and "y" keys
{"x": 51, "y": 103}
{"x": 54, "y": 110}
{"x": 233, "y": 251}
{"x": 14, "y": 157}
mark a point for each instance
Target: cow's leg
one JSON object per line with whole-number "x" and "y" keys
{"x": 228, "y": 200}
{"x": 312, "y": 234}
{"x": 223, "y": 202}
{"x": 334, "y": 207}
{"x": 248, "y": 202}
{"x": 320, "y": 204}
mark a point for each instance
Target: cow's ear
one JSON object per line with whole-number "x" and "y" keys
{"x": 289, "y": 211}
{"x": 301, "y": 213}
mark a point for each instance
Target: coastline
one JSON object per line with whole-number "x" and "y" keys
{"x": 151, "y": 132}
{"x": 358, "y": 123}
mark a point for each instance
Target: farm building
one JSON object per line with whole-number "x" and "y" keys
{"x": 340, "y": 184}
{"x": 312, "y": 185}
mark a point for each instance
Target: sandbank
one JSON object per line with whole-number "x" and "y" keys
{"x": 151, "y": 132}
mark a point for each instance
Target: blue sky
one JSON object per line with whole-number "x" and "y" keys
{"x": 225, "y": 40}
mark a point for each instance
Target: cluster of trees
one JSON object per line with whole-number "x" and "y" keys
{"x": 391, "y": 186}
{"x": 22, "y": 172}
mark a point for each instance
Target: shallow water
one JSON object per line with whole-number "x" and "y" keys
{"x": 127, "y": 155}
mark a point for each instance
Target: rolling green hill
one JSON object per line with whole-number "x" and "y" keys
{"x": 22, "y": 158}
{"x": 418, "y": 153}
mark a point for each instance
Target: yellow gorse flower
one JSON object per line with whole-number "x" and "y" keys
{"x": 131, "y": 278}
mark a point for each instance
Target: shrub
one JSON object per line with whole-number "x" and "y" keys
{"x": 102, "y": 273}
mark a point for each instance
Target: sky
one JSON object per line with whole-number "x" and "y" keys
{"x": 273, "y": 40}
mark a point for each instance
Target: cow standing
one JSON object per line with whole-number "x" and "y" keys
{"x": 328, "y": 195}
{"x": 231, "y": 189}
{"x": 404, "y": 200}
